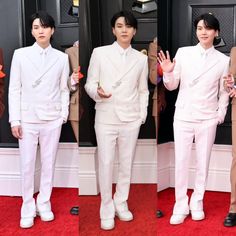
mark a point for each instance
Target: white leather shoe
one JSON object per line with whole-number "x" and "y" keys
{"x": 26, "y": 222}
{"x": 46, "y": 215}
{"x": 177, "y": 219}
{"x": 198, "y": 215}
{"x": 107, "y": 224}
{"x": 124, "y": 215}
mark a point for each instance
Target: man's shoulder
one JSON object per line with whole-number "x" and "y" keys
{"x": 104, "y": 48}
{"x": 221, "y": 55}
{"x": 23, "y": 50}
{"x": 187, "y": 48}
{"x": 139, "y": 54}
{"x": 58, "y": 52}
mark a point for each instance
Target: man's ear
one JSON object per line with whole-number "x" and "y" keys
{"x": 53, "y": 30}
{"x": 113, "y": 31}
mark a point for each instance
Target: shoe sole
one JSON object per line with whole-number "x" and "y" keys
{"x": 45, "y": 219}
{"x": 107, "y": 228}
{"x": 124, "y": 219}
{"x": 178, "y": 222}
{"x": 198, "y": 219}
{"x": 26, "y": 226}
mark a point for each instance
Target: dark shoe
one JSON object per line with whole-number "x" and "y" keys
{"x": 159, "y": 214}
{"x": 230, "y": 220}
{"x": 74, "y": 211}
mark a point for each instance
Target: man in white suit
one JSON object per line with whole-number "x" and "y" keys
{"x": 201, "y": 105}
{"x": 117, "y": 82}
{"x": 38, "y": 105}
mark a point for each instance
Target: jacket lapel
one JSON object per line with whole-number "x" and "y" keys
{"x": 211, "y": 62}
{"x": 131, "y": 61}
{"x": 51, "y": 60}
{"x": 34, "y": 59}
{"x": 114, "y": 59}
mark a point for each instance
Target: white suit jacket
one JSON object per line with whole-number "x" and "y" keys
{"x": 201, "y": 93}
{"x": 38, "y": 94}
{"x": 127, "y": 84}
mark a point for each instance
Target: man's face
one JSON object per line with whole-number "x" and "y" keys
{"x": 205, "y": 35}
{"x": 41, "y": 33}
{"x": 123, "y": 32}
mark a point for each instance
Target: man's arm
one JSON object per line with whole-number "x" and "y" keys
{"x": 14, "y": 94}
{"x": 14, "y": 97}
{"x": 223, "y": 95}
{"x": 143, "y": 91}
{"x": 93, "y": 79}
{"x": 65, "y": 93}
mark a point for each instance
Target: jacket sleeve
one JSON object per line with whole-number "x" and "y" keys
{"x": 223, "y": 94}
{"x": 143, "y": 91}
{"x": 65, "y": 93}
{"x": 93, "y": 78}
{"x": 14, "y": 93}
{"x": 171, "y": 80}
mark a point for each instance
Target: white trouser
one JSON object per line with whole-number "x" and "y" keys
{"x": 47, "y": 136}
{"x": 124, "y": 136}
{"x": 203, "y": 132}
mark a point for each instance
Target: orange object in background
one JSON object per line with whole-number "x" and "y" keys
{"x": 2, "y": 75}
{"x": 80, "y": 74}
{"x": 159, "y": 70}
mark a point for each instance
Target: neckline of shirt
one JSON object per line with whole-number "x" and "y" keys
{"x": 205, "y": 51}
{"x": 122, "y": 50}
{"x": 42, "y": 50}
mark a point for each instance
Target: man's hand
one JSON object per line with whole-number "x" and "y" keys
{"x": 102, "y": 94}
{"x": 232, "y": 92}
{"x": 75, "y": 76}
{"x": 164, "y": 60}
{"x": 17, "y": 131}
{"x": 228, "y": 81}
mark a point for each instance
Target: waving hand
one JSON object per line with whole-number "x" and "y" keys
{"x": 164, "y": 60}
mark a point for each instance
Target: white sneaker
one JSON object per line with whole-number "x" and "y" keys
{"x": 177, "y": 219}
{"x": 124, "y": 215}
{"x": 122, "y": 212}
{"x": 46, "y": 215}
{"x": 198, "y": 215}
{"x": 26, "y": 222}
{"x": 107, "y": 224}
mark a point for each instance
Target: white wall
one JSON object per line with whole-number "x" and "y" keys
{"x": 144, "y": 166}
{"x": 219, "y": 170}
{"x": 66, "y": 170}
{"x": 76, "y": 167}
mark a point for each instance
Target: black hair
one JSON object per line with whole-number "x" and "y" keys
{"x": 129, "y": 19}
{"x": 210, "y": 21}
{"x": 45, "y": 19}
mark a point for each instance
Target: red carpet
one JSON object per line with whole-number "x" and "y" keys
{"x": 216, "y": 205}
{"x": 142, "y": 202}
{"x": 63, "y": 225}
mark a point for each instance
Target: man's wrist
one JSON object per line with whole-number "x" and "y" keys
{"x": 15, "y": 123}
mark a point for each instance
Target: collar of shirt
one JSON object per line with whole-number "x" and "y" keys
{"x": 205, "y": 51}
{"x": 42, "y": 50}
{"x": 121, "y": 50}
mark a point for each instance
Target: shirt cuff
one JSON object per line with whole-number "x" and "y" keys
{"x": 15, "y": 123}
{"x": 73, "y": 83}
{"x": 167, "y": 77}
